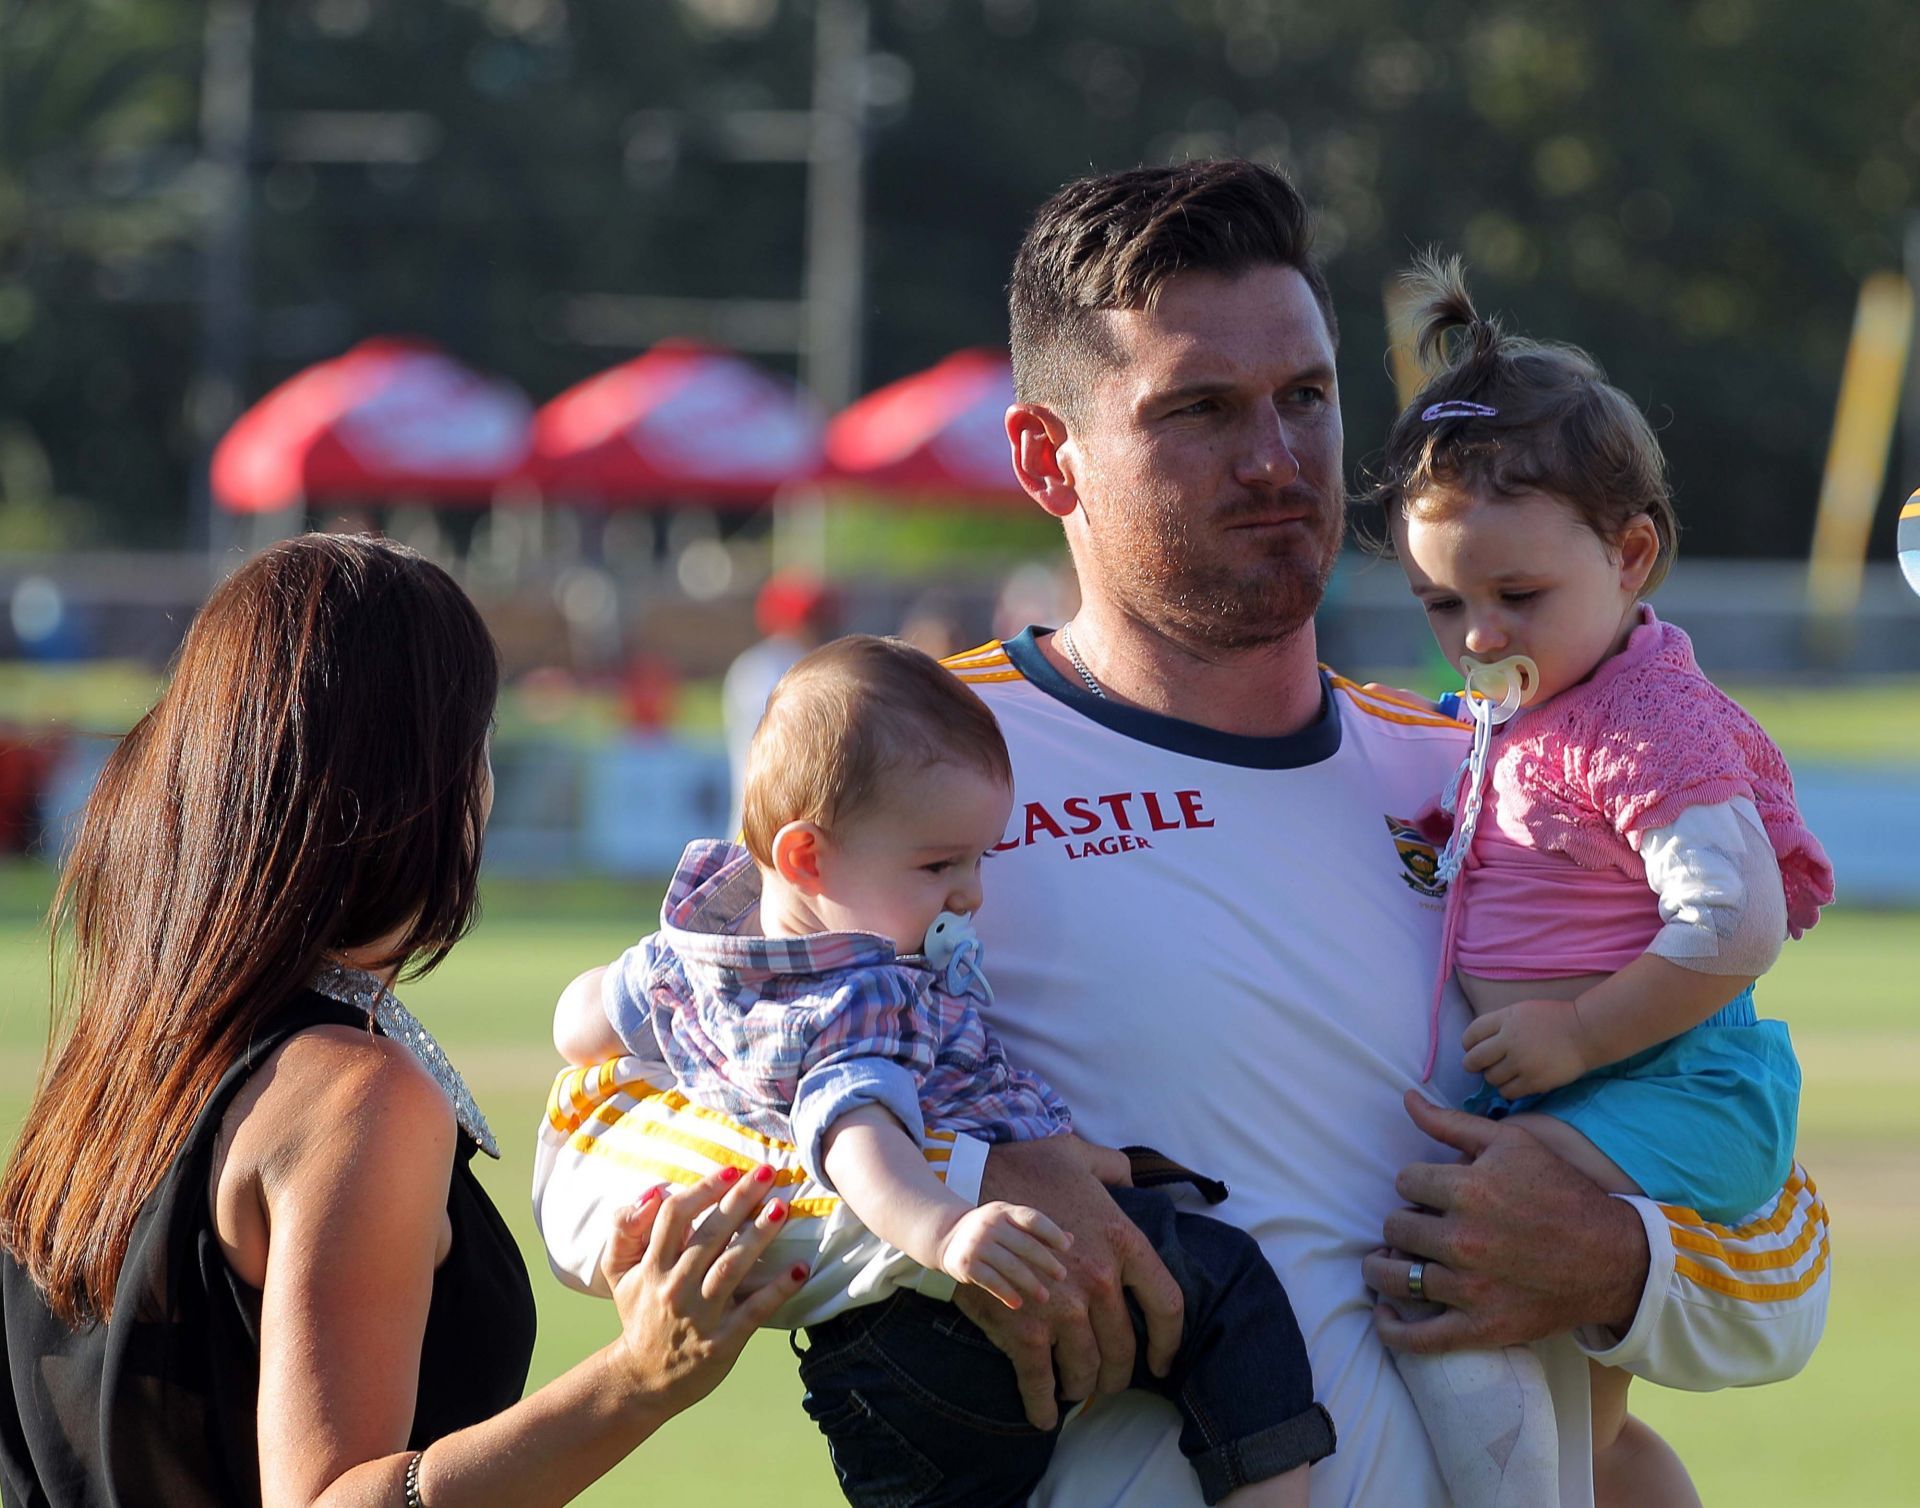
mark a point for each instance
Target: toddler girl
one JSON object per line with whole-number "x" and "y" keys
{"x": 1625, "y": 857}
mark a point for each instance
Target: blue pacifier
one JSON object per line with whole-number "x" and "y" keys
{"x": 953, "y": 953}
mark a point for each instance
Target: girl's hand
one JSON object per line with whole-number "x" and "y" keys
{"x": 682, "y": 1321}
{"x": 1007, "y": 1249}
{"x": 1528, "y": 1047}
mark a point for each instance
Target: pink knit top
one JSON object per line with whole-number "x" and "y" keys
{"x": 1585, "y": 776}
{"x": 1529, "y": 914}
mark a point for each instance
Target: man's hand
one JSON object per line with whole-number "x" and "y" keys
{"x": 1083, "y": 1328}
{"x": 1517, "y": 1244}
{"x": 1528, "y": 1047}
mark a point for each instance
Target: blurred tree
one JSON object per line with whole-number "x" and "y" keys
{"x": 98, "y": 209}
{"x": 1693, "y": 191}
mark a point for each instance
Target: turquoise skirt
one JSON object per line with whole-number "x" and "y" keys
{"x": 1706, "y": 1120}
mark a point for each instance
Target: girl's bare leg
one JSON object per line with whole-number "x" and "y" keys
{"x": 1635, "y": 1468}
{"x": 1632, "y": 1466}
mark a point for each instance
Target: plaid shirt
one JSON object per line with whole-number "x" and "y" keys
{"x": 786, "y": 1034}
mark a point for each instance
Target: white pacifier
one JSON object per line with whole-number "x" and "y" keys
{"x": 1496, "y": 689}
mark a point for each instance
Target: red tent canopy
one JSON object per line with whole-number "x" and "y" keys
{"x": 390, "y": 418}
{"x": 938, "y": 433}
{"x": 686, "y": 422}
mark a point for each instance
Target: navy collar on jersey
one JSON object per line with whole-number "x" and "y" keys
{"x": 1319, "y": 740}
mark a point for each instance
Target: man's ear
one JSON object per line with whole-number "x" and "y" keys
{"x": 1639, "y": 548}
{"x": 796, "y": 855}
{"x": 1036, "y": 435}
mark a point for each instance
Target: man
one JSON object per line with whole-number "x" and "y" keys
{"x": 1211, "y": 926}
{"x": 1213, "y": 929}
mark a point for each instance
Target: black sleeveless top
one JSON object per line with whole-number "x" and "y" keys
{"x": 158, "y": 1405}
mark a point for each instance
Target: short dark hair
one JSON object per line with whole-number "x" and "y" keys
{"x": 1517, "y": 416}
{"x": 848, "y": 717}
{"x": 1113, "y": 242}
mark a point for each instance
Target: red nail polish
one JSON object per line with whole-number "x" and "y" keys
{"x": 763, "y": 1174}
{"x": 729, "y": 1175}
{"x": 799, "y": 1273}
{"x": 776, "y": 1213}
{"x": 656, "y": 1192}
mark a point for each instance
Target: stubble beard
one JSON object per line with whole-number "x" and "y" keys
{"x": 1188, "y": 587}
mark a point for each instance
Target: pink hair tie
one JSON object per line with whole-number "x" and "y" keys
{"x": 1456, "y": 409}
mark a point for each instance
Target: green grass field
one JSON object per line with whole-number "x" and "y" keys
{"x": 1842, "y": 1433}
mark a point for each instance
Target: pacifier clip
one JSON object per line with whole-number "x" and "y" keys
{"x": 1495, "y": 691}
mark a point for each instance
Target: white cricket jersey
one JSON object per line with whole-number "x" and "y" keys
{"x": 1224, "y": 947}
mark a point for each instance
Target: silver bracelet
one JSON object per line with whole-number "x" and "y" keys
{"x": 414, "y": 1500}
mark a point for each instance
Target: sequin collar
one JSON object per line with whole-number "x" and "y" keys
{"x": 358, "y": 988}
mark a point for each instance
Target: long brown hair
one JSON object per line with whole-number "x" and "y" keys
{"x": 1505, "y": 415}
{"x": 311, "y": 778}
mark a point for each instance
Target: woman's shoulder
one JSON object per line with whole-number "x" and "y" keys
{"x": 329, "y": 1093}
{"x": 331, "y": 1106}
{"x": 332, "y": 1097}
{"x": 357, "y": 1071}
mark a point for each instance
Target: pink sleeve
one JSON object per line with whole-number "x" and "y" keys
{"x": 1665, "y": 744}
{"x": 1654, "y": 747}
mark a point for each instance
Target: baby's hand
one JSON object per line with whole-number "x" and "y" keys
{"x": 1007, "y": 1249}
{"x": 1528, "y": 1047}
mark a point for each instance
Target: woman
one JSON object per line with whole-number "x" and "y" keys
{"x": 246, "y": 1258}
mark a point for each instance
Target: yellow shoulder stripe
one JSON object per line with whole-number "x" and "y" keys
{"x": 1754, "y": 1293}
{"x": 1770, "y": 1225}
{"x": 968, "y": 678}
{"x": 1382, "y": 706}
{"x": 573, "y": 1100}
{"x": 1773, "y": 1258}
{"x": 1798, "y": 1200}
{"x": 981, "y": 656}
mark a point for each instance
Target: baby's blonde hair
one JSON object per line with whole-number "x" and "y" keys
{"x": 1505, "y": 415}
{"x": 845, "y": 720}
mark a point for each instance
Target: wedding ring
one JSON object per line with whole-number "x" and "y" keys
{"x": 1417, "y": 1280}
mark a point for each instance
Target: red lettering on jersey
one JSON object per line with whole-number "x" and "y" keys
{"x": 1156, "y": 819}
{"x": 1111, "y": 844}
{"x": 1039, "y": 821}
{"x": 1081, "y": 817}
{"x": 1085, "y": 818}
{"x": 1190, "y": 808}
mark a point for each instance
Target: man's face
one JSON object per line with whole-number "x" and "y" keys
{"x": 1205, "y": 454}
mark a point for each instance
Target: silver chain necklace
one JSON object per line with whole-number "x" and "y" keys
{"x": 1066, "y": 643}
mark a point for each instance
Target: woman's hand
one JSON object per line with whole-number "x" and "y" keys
{"x": 683, "y": 1323}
